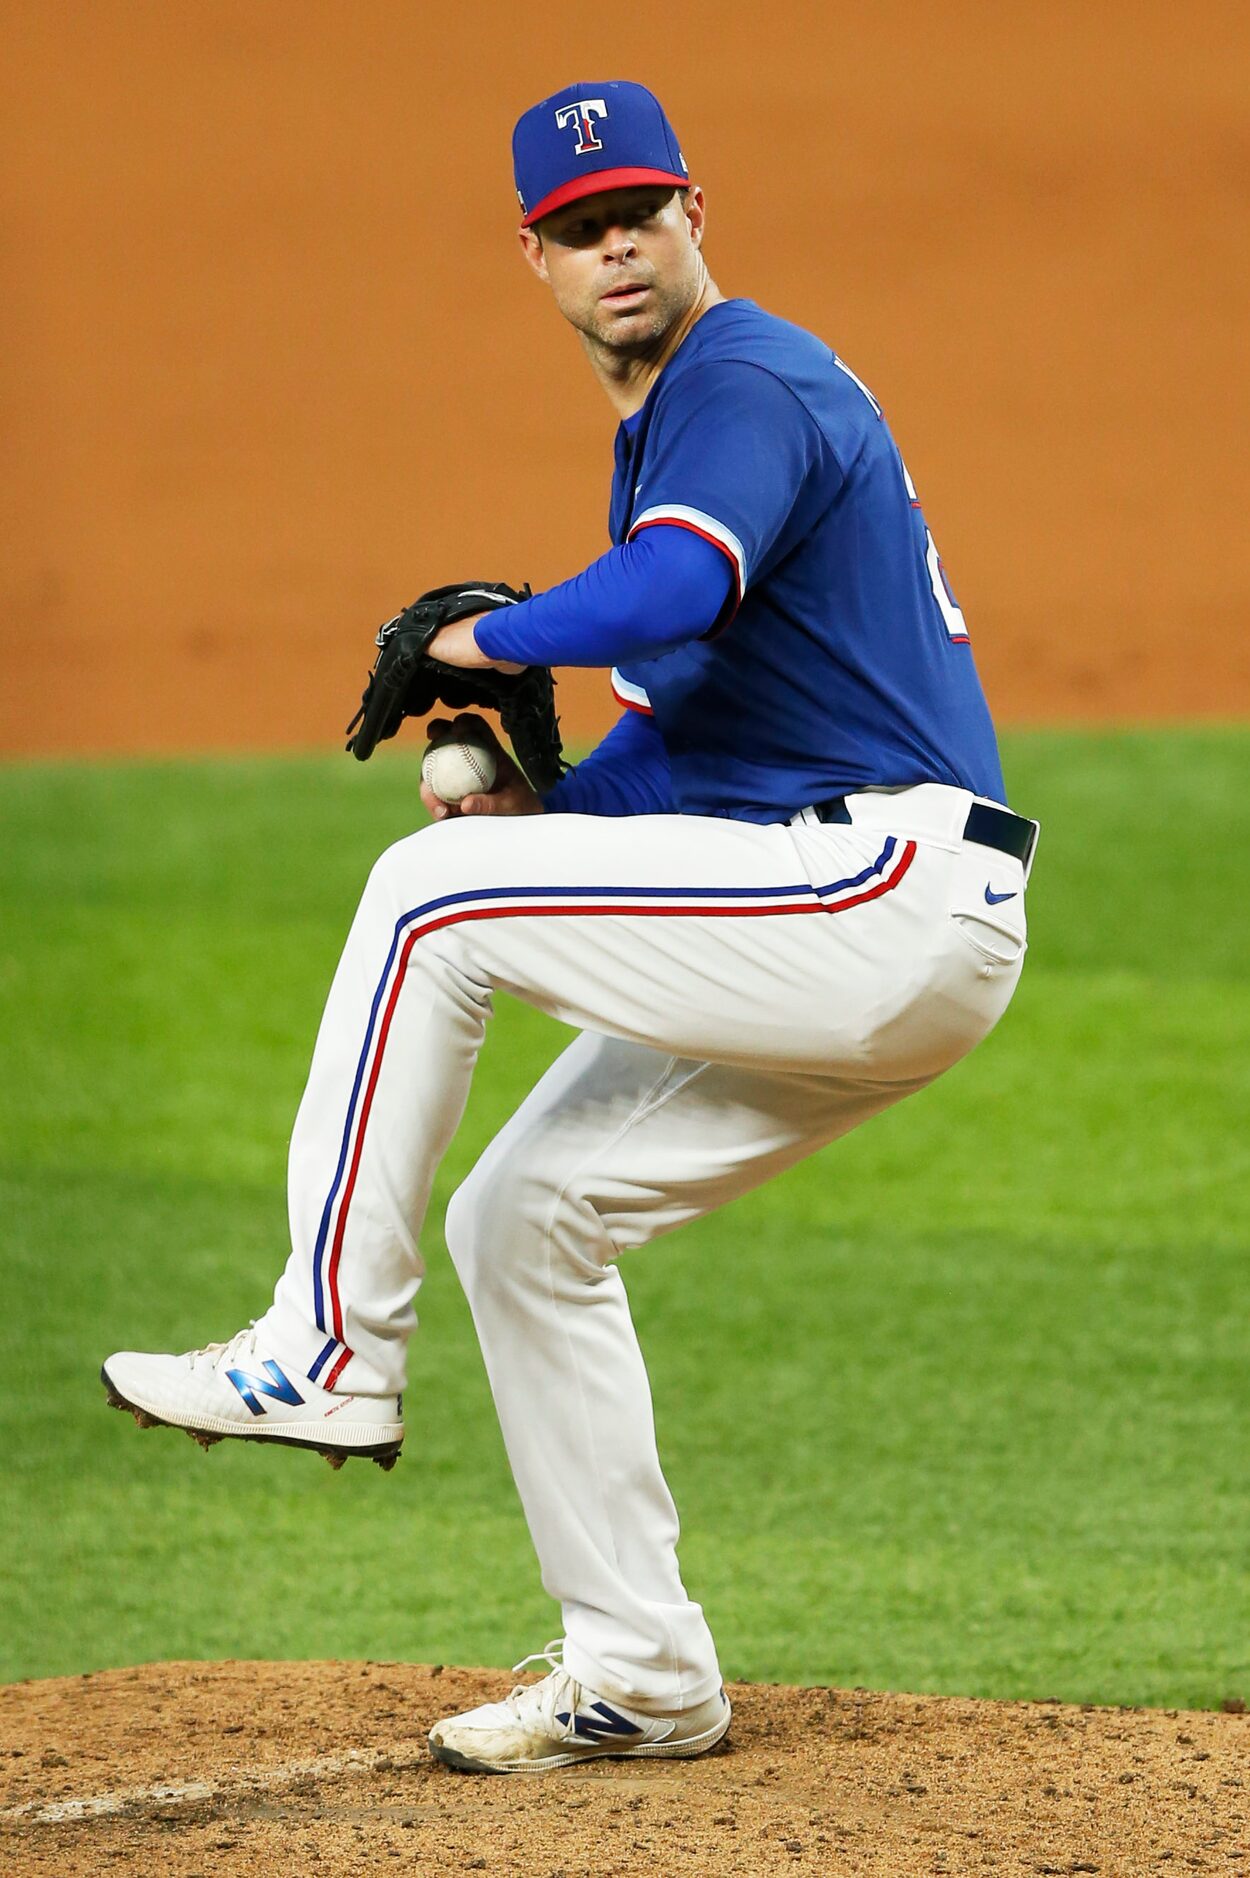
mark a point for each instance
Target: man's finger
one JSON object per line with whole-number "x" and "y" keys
{"x": 434, "y": 805}
{"x": 493, "y": 802}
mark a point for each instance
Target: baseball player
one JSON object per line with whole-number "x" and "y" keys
{"x": 783, "y": 893}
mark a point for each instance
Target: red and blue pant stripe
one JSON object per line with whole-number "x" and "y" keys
{"x": 479, "y": 903}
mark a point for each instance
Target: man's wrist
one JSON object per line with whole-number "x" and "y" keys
{"x": 457, "y": 645}
{"x": 490, "y": 624}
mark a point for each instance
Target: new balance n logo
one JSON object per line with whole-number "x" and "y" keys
{"x": 278, "y": 1386}
{"x": 602, "y": 1725}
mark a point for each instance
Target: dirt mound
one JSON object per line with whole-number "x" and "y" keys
{"x": 282, "y": 1768}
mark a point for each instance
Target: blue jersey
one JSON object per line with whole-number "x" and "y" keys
{"x": 841, "y": 660}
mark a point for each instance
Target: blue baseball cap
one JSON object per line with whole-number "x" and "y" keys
{"x": 608, "y": 134}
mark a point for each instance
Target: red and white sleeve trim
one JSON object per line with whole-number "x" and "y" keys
{"x": 632, "y": 696}
{"x": 678, "y": 516}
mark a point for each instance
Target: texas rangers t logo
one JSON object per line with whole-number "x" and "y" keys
{"x": 582, "y": 114}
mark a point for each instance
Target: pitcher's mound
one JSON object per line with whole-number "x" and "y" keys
{"x": 284, "y": 1770}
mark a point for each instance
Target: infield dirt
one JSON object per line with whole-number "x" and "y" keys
{"x": 281, "y": 1768}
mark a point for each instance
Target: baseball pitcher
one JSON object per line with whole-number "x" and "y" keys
{"x": 783, "y": 893}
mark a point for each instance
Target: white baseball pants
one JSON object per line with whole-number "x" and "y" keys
{"x": 746, "y": 994}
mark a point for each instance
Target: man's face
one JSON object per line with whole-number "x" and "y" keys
{"x": 624, "y": 265}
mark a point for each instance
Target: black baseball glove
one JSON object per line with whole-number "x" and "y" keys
{"x": 406, "y": 682}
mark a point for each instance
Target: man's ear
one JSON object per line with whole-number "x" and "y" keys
{"x": 532, "y": 249}
{"x": 695, "y": 211}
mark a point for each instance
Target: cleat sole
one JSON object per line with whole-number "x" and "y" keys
{"x": 465, "y": 1764}
{"x": 451, "y": 1757}
{"x": 385, "y": 1454}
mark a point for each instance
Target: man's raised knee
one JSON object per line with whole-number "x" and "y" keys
{"x": 507, "y": 1218}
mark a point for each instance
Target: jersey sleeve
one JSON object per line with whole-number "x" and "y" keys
{"x": 627, "y": 774}
{"x": 730, "y": 449}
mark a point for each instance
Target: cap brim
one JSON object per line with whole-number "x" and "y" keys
{"x": 594, "y": 183}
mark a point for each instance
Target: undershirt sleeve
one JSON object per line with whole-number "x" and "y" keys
{"x": 627, "y": 774}
{"x": 639, "y": 599}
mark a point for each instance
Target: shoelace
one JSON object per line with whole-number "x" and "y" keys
{"x": 242, "y": 1340}
{"x": 536, "y": 1704}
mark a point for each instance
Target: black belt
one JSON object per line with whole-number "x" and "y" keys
{"x": 988, "y": 827}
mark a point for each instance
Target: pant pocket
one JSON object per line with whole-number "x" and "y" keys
{"x": 993, "y": 940}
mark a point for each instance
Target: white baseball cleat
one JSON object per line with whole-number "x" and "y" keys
{"x": 237, "y": 1389}
{"x": 555, "y": 1722}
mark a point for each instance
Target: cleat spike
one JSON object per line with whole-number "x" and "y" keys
{"x": 203, "y": 1440}
{"x": 385, "y": 1461}
{"x": 335, "y": 1458}
{"x": 143, "y": 1419}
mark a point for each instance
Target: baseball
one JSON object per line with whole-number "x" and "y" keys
{"x": 458, "y": 768}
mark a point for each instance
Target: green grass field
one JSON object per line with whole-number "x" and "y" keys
{"x": 961, "y": 1405}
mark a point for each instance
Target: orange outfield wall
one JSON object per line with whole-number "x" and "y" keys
{"x": 271, "y": 363}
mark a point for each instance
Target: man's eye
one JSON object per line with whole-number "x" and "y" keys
{"x": 578, "y": 233}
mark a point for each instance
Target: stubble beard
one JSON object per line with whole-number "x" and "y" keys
{"x": 632, "y": 335}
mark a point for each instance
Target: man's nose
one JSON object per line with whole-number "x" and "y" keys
{"x": 620, "y": 242}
